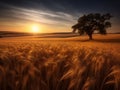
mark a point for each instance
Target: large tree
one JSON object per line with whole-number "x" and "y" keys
{"x": 91, "y": 22}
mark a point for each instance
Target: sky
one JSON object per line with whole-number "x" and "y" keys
{"x": 53, "y": 15}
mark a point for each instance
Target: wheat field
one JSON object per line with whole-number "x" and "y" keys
{"x": 59, "y": 65}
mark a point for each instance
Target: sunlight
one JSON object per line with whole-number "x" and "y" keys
{"x": 35, "y": 29}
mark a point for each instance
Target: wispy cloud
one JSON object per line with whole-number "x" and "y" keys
{"x": 36, "y": 15}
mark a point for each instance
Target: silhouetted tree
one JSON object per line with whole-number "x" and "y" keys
{"x": 91, "y": 22}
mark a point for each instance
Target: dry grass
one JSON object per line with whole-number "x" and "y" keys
{"x": 58, "y": 65}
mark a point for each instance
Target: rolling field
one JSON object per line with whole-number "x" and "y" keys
{"x": 60, "y": 63}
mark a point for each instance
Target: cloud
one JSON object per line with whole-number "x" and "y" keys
{"x": 35, "y": 15}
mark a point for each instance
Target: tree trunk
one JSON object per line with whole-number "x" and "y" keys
{"x": 90, "y": 37}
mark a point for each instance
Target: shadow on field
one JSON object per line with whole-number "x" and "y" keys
{"x": 56, "y": 36}
{"x": 101, "y": 40}
{"x": 107, "y": 40}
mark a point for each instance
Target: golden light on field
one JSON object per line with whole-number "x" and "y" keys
{"x": 35, "y": 29}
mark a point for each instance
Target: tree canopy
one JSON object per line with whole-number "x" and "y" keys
{"x": 91, "y": 22}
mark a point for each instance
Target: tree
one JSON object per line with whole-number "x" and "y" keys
{"x": 91, "y": 22}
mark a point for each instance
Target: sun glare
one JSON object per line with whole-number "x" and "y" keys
{"x": 35, "y": 29}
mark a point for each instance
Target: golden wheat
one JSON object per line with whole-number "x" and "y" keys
{"x": 58, "y": 65}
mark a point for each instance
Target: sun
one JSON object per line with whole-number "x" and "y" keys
{"x": 35, "y": 29}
